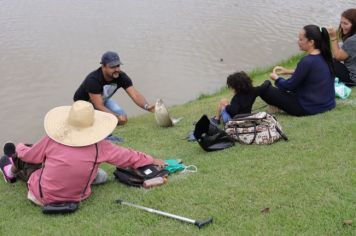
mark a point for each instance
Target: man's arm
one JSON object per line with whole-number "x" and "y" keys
{"x": 139, "y": 99}
{"x": 97, "y": 101}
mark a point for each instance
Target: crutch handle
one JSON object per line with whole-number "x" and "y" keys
{"x": 201, "y": 223}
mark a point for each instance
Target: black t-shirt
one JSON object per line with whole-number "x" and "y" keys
{"x": 241, "y": 103}
{"x": 95, "y": 83}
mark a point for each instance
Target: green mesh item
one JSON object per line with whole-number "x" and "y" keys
{"x": 341, "y": 90}
{"x": 174, "y": 165}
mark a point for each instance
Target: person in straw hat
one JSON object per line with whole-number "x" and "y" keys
{"x": 70, "y": 154}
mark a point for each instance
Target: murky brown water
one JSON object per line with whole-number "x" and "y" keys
{"x": 171, "y": 49}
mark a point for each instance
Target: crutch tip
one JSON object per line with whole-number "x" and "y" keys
{"x": 119, "y": 201}
{"x": 201, "y": 223}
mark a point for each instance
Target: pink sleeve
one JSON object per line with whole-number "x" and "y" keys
{"x": 123, "y": 157}
{"x": 34, "y": 154}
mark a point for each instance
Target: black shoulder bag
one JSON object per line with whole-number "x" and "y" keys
{"x": 210, "y": 137}
{"x": 136, "y": 177}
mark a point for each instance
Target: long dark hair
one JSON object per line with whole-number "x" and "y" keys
{"x": 350, "y": 15}
{"x": 321, "y": 41}
{"x": 240, "y": 82}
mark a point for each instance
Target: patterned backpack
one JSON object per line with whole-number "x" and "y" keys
{"x": 255, "y": 128}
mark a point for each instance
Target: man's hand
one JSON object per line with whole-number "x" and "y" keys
{"x": 151, "y": 108}
{"x": 121, "y": 119}
{"x": 159, "y": 162}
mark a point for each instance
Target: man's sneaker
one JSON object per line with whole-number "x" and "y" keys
{"x": 113, "y": 138}
{"x": 4, "y": 162}
{"x": 9, "y": 149}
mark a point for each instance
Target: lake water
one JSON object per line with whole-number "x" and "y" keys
{"x": 174, "y": 50}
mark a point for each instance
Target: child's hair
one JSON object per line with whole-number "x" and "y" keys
{"x": 240, "y": 82}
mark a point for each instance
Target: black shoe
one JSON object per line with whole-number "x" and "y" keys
{"x": 9, "y": 149}
{"x": 5, "y": 161}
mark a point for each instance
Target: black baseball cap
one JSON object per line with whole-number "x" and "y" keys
{"x": 111, "y": 59}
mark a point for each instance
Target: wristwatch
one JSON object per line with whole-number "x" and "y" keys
{"x": 146, "y": 106}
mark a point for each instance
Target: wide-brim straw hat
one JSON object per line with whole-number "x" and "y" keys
{"x": 78, "y": 125}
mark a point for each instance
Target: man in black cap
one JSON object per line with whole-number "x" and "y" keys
{"x": 101, "y": 84}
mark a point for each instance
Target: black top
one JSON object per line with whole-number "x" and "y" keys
{"x": 95, "y": 83}
{"x": 241, "y": 103}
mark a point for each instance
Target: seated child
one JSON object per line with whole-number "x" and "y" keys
{"x": 241, "y": 103}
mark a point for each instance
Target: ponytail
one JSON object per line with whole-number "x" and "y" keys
{"x": 321, "y": 41}
{"x": 325, "y": 49}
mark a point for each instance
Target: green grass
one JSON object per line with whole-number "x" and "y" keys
{"x": 309, "y": 182}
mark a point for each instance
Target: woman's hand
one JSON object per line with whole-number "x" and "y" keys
{"x": 280, "y": 70}
{"x": 332, "y": 32}
{"x": 273, "y": 76}
{"x": 159, "y": 162}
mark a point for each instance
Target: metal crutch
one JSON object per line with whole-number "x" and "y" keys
{"x": 199, "y": 223}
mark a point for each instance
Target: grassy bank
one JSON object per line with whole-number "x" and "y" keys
{"x": 308, "y": 183}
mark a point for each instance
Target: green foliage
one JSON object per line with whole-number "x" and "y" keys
{"x": 308, "y": 183}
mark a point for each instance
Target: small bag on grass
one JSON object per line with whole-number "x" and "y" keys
{"x": 136, "y": 177}
{"x": 255, "y": 128}
{"x": 341, "y": 90}
{"x": 210, "y": 137}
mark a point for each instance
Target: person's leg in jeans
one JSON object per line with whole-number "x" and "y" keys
{"x": 225, "y": 116}
{"x": 342, "y": 73}
{"x": 112, "y": 106}
{"x": 222, "y": 104}
{"x": 101, "y": 177}
{"x": 286, "y": 101}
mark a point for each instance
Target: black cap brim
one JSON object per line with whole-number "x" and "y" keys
{"x": 114, "y": 63}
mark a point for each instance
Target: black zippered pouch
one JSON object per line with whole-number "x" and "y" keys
{"x": 57, "y": 208}
{"x": 136, "y": 177}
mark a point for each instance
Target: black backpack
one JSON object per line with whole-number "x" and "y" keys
{"x": 210, "y": 137}
{"x": 136, "y": 177}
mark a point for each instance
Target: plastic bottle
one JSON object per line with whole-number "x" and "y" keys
{"x": 154, "y": 182}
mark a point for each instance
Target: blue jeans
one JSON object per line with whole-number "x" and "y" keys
{"x": 225, "y": 116}
{"x": 101, "y": 177}
{"x": 112, "y": 106}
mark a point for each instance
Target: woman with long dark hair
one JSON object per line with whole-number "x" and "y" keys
{"x": 310, "y": 89}
{"x": 345, "y": 55}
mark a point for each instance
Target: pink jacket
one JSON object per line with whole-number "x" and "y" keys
{"x": 66, "y": 169}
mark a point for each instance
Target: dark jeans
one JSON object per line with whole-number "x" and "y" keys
{"x": 342, "y": 73}
{"x": 24, "y": 169}
{"x": 286, "y": 101}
